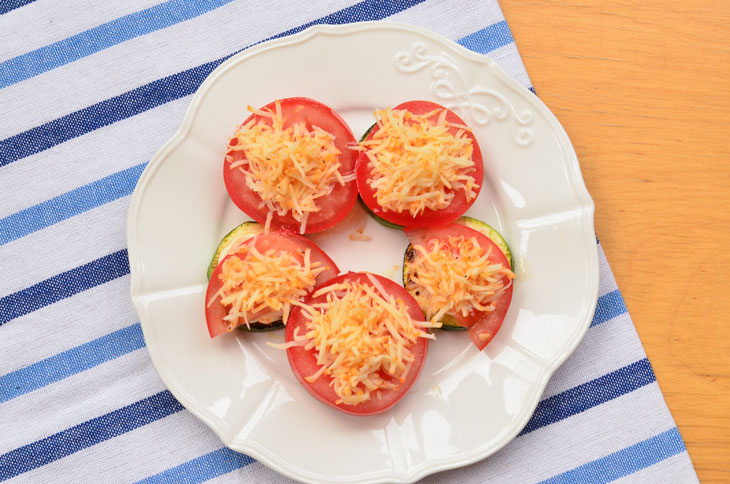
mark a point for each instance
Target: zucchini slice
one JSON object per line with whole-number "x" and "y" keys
{"x": 447, "y": 321}
{"x": 367, "y": 132}
{"x": 240, "y": 234}
{"x": 381, "y": 221}
{"x": 261, "y": 327}
{"x": 490, "y": 232}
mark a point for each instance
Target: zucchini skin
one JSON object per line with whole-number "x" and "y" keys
{"x": 245, "y": 229}
{"x": 490, "y": 232}
{"x": 262, "y": 328}
{"x": 381, "y": 221}
{"x": 367, "y": 132}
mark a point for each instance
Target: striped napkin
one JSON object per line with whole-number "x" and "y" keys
{"x": 88, "y": 92}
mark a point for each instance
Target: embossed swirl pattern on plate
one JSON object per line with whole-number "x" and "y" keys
{"x": 450, "y": 86}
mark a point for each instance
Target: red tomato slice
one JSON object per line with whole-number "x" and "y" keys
{"x": 479, "y": 322}
{"x": 281, "y": 241}
{"x": 428, "y": 218}
{"x": 336, "y": 205}
{"x": 304, "y": 363}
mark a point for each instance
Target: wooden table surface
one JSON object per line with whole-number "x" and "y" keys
{"x": 643, "y": 89}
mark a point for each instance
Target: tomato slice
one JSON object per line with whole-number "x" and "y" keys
{"x": 427, "y": 218}
{"x": 335, "y": 206}
{"x": 478, "y": 322}
{"x": 281, "y": 241}
{"x": 304, "y": 363}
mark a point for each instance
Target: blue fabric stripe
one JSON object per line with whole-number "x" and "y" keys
{"x": 71, "y": 203}
{"x": 103, "y": 191}
{"x": 588, "y": 395}
{"x": 626, "y": 461}
{"x": 550, "y": 410}
{"x": 608, "y": 307}
{"x": 8, "y": 5}
{"x": 98, "y": 351}
{"x": 163, "y": 90}
{"x": 101, "y": 37}
{"x": 84, "y": 435}
{"x": 201, "y": 469}
{"x": 488, "y": 39}
{"x": 104, "y": 113}
{"x": 70, "y": 362}
{"x": 64, "y": 285}
{"x": 91, "y": 432}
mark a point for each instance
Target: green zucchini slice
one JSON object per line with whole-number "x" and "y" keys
{"x": 447, "y": 321}
{"x": 240, "y": 234}
{"x": 490, "y": 232}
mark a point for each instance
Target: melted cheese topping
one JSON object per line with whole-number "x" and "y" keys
{"x": 359, "y": 236}
{"x": 362, "y": 337}
{"x": 290, "y": 169}
{"x": 417, "y": 163}
{"x": 456, "y": 277}
{"x": 264, "y": 285}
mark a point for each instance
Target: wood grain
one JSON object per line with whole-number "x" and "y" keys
{"x": 643, "y": 90}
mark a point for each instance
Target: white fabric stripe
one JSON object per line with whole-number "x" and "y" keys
{"x": 72, "y": 180}
{"x": 149, "y": 130}
{"x": 136, "y": 62}
{"x": 134, "y": 455}
{"x": 87, "y": 158}
{"x": 584, "y": 437}
{"x": 254, "y": 473}
{"x": 510, "y": 61}
{"x": 81, "y": 239}
{"x": 597, "y": 355}
{"x": 574, "y": 373}
{"x": 214, "y": 36}
{"x": 673, "y": 470}
{"x": 462, "y": 22}
{"x": 607, "y": 283}
{"x": 464, "y": 18}
{"x": 47, "y": 21}
{"x": 110, "y": 144}
{"x": 571, "y": 442}
{"x": 65, "y": 324}
{"x": 83, "y": 396}
{"x": 94, "y": 235}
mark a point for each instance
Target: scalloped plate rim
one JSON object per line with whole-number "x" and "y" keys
{"x": 586, "y": 207}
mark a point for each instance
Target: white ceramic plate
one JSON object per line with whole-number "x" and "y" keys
{"x": 466, "y": 404}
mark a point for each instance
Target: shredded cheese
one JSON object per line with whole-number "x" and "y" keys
{"x": 265, "y": 285}
{"x": 418, "y": 163}
{"x": 455, "y": 277}
{"x": 362, "y": 337}
{"x": 290, "y": 168}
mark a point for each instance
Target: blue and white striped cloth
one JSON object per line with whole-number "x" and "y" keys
{"x": 88, "y": 92}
